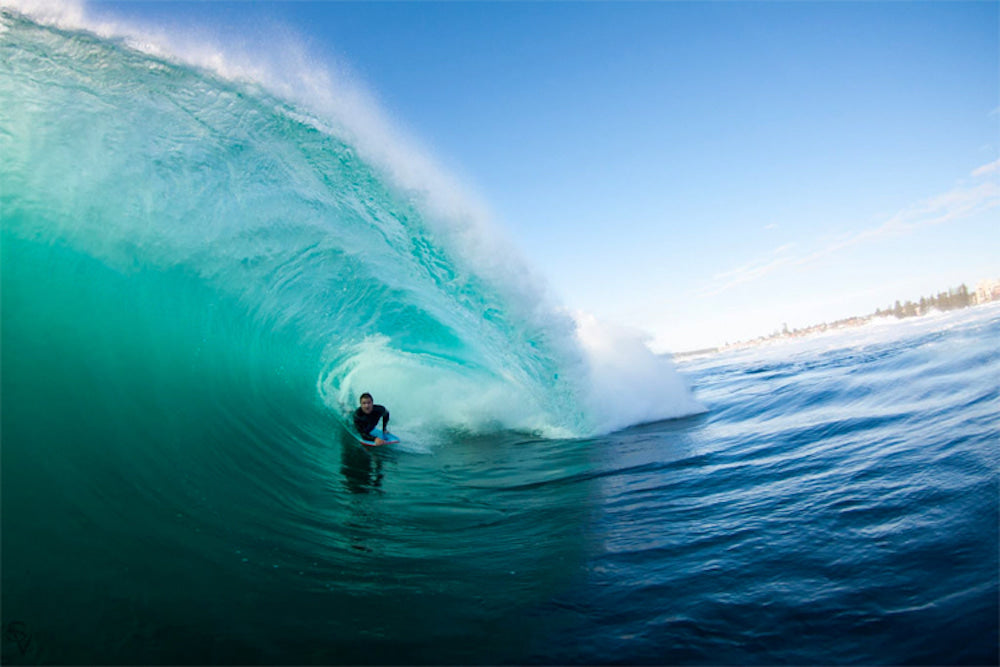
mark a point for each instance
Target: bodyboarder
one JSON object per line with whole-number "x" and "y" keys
{"x": 366, "y": 418}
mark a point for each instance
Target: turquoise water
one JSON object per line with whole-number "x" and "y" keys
{"x": 198, "y": 278}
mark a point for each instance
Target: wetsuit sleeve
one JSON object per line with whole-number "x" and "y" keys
{"x": 385, "y": 420}
{"x": 362, "y": 426}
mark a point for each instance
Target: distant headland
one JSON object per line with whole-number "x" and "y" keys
{"x": 954, "y": 299}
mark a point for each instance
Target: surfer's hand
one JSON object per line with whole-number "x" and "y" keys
{"x": 379, "y": 441}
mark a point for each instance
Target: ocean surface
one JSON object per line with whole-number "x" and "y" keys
{"x": 198, "y": 279}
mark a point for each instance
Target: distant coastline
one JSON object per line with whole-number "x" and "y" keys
{"x": 955, "y": 298}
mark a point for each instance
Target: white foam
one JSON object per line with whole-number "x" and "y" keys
{"x": 628, "y": 384}
{"x": 618, "y": 380}
{"x": 430, "y": 395}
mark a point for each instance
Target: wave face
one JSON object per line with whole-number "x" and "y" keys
{"x": 180, "y": 207}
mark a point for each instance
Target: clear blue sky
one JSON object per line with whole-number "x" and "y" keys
{"x": 700, "y": 171}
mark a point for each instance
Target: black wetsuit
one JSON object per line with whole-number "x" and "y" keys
{"x": 366, "y": 422}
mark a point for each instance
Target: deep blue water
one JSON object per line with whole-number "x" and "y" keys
{"x": 837, "y": 504}
{"x": 197, "y": 280}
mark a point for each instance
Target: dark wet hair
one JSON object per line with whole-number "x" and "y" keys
{"x": 366, "y": 395}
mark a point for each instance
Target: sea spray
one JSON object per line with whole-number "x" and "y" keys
{"x": 628, "y": 384}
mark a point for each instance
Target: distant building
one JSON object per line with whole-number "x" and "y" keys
{"x": 988, "y": 290}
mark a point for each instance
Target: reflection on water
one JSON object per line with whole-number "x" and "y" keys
{"x": 362, "y": 467}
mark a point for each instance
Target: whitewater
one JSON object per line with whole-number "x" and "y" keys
{"x": 201, "y": 270}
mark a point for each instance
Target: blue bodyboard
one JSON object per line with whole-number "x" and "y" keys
{"x": 389, "y": 439}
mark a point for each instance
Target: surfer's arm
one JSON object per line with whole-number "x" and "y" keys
{"x": 363, "y": 429}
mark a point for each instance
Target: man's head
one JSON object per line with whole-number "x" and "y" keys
{"x": 366, "y": 402}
